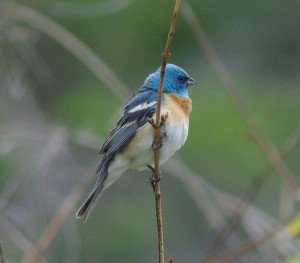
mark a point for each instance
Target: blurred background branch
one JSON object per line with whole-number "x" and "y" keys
{"x": 256, "y": 185}
{"x": 52, "y": 111}
{"x": 229, "y": 84}
{"x": 84, "y": 10}
{"x": 72, "y": 44}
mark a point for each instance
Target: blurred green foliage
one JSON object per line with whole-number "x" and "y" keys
{"x": 258, "y": 41}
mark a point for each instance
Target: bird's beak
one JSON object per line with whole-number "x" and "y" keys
{"x": 191, "y": 81}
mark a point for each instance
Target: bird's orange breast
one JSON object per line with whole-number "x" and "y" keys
{"x": 180, "y": 106}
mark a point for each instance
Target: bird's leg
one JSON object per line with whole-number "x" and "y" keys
{"x": 153, "y": 179}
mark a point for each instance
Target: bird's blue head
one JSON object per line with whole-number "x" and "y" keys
{"x": 176, "y": 80}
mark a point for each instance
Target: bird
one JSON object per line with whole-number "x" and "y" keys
{"x": 129, "y": 145}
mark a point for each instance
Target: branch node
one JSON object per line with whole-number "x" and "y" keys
{"x": 157, "y": 196}
{"x": 156, "y": 146}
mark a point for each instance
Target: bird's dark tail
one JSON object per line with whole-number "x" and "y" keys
{"x": 89, "y": 204}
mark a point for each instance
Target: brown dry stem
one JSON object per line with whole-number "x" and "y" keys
{"x": 158, "y": 119}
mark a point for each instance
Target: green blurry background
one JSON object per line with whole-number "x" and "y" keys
{"x": 55, "y": 113}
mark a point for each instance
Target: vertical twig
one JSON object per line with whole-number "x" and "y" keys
{"x": 156, "y": 185}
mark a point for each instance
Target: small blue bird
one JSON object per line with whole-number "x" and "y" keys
{"x": 130, "y": 144}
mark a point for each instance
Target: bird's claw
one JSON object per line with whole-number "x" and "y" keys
{"x": 153, "y": 179}
{"x": 163, "y": 119}
{"x": 152, "y": 122}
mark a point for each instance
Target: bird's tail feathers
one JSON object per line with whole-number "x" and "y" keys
{"x": 105, "y": 179}
{"x": 89, "y": 204}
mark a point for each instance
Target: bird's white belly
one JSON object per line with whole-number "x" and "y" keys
{"x": 139, "y": 153}
{"x": 173, "y": 137}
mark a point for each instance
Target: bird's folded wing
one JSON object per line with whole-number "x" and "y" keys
{"x": 137, "y": 110}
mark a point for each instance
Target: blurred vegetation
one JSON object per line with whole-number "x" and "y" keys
{"x": 55, "y": 112}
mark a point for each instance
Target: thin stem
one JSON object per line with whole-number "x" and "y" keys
{"x": 156, "y": 185}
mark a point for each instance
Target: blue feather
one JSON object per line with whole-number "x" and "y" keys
{"x": 142, "y": 95}
{"x": 129, "y": 123}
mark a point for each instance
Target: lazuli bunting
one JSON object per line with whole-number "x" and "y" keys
{"x": 130, "y": 144}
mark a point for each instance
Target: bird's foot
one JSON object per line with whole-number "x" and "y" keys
{"x": 163, "y": 119}
{"x": 152, "y": 122}
{"x": 153, "y": 179}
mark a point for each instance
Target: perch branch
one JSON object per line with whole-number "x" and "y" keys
{"x": 155, "y": 183}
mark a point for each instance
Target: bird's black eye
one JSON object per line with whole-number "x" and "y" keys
{"x": 182, "y": 79}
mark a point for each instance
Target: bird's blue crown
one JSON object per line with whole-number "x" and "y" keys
{"x": 176, "y": 80}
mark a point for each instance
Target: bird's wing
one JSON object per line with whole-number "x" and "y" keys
{"x": 137, "y": 110}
